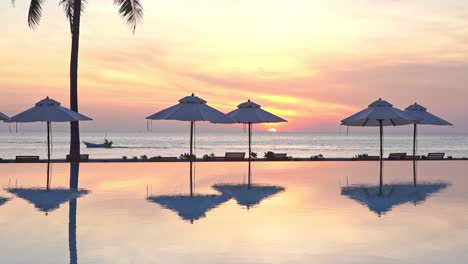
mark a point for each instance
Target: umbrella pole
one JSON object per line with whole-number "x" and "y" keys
{"x": 414, "y": 154}
{"x": 250, "y": 155}
{"x": 381, "y": 156}
{"x": 190, "y": 158}
{"x": 48, "y": 155}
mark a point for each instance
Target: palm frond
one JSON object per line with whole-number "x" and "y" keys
{"x": 131, "y": 11}
{"x": 35, "y": 13}
{"x": 68, "y": 7}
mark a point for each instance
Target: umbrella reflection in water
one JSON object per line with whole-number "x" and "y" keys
{"x": 248, "y": 195}
{"x": 392, "y": 195}
{"x": 47, "y": 200}
{"x": 190, "y": 208}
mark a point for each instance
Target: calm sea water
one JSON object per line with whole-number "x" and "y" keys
{"x": 296, "y": 212}
{"x": 173, "y": 144}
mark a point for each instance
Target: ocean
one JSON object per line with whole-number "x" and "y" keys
{"x": 300, "y": 145}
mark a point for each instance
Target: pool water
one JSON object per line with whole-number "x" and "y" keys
{"x": 295, "y": 212}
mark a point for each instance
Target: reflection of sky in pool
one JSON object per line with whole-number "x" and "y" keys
{"x": 307, "y": 220}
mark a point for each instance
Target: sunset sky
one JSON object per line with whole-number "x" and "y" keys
{"x": 311, "y": 62}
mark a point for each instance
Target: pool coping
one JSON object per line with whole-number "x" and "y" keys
{"x": 117, "y": 160}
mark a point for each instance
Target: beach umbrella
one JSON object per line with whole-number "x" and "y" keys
{"x": 190, "y": 208}
{"x": 48, "y": 110}
{"x": 424, "y": 118}
{"x": 246, "y": 195}
{"x": 379, "y": 114}
{"x": 191, "y": 109}
{"x": 251, "y": 113}
{"x": 393, "y": 195}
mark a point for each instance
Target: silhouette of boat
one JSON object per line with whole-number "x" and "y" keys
{"x": 106, "y": 144}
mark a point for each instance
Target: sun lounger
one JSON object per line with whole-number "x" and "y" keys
{"x": 371, "y": 158}
{"x": 83, "y": 157}
{"x": 159, "y": 158}
{"x": 397, "y": 156}
{"x": 280, "y": 156}
{"x": 230, "y": 156}
{"x": 27, "y": 158}
{"x": 435, "y": 156}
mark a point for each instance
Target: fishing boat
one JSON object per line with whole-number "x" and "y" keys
{"x": 106, "y": 144}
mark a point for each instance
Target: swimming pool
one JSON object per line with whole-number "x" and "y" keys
{"x": 295, "y": 212}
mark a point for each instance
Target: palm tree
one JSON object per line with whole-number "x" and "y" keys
{"x": 130, "y": 10}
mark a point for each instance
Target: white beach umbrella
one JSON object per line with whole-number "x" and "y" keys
{"x": 380, "y": 113}
{"x": 192, "y": 109}
{"x": 251, "y": 113}
{"x": 424, "y": 118}
{"x": 48, "y": 110}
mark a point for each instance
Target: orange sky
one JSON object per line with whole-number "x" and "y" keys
{"x": 311, "y": 62}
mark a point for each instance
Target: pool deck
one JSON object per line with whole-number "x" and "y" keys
{"x": 130, "y": 160}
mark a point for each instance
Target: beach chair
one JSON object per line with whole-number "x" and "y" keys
{"x": 27, "y": 158}
{"x": 397, "y": 156}
{"x": 83, "y": 157}
{"x": 280, "y": 156}
{"x": 234, "y": 156}
{"x": 435, "y": 156}
{"x": 231, "y": 156}
{"x": 372, "y": 158}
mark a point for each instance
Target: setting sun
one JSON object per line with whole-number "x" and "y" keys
{"x": 272, "y": 130}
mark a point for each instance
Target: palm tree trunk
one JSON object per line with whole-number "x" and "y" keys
{"x": 74, "y": 126}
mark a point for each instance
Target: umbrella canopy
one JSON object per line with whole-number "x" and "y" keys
{"x": 190, "y": 208}
{"x": 246, "y": 196}
{"x": 424, "y": 117}
{"x": 393, "y": 195}
{"x": 48, "y": 110}
{"x": 47, "y": 200}
{"x": 250, "y": 112}
{"x": 191, "y": 108}
{"x": 379, "y": 112}
{"x": 3, "y": 117}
